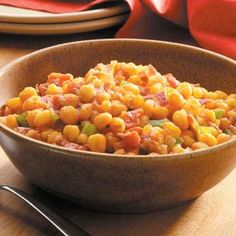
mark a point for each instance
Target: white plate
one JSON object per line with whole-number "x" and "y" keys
{"x": 19, "y": 15}
{"x": 66, "y": 28}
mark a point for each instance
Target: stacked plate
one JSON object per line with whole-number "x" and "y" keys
{"x": 24, "y": 21}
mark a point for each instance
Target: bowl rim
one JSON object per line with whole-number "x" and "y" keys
{"x": 105, "y": 156}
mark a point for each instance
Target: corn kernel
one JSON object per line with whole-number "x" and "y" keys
{"x": 180, "y": 119}
{"x": 197, "y": 92}
{"x": 69, "y": 115}
{"x": 43, "y": 118}
{"x": 160, "y": 112}
{"x": 86, "y": 93}
{"x": 221, "y": 94}
{"x": 71, "y": 132}
{"x": 207, "y": 138}
{"x": 11, "y": 121}
{"x": 174, "y": 130}
{"x": 54, "y": 137}
{"x": 53, "y": 89}
{"x": 117, "y": 125}
{"x": 105, "y": 106}
{"x": 26, "y": 93}
{"x": 32, "y": 103}
{"x": 97, "y": 143}
{"x": 82, "y": 139}
{"x": 199, "y": 145}
{"x": 211, "y": 95}
{"x": 221, "y": 138}
{"x": 176, "y": 99}
{"x": 14, "y": 104}
{"x": 102, "y": 120}
{"x": 117, "y": 107}
{"x": 85, "y": 111}
{"x": 185, "y": 89}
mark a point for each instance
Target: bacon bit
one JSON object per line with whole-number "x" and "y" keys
{"x": 150, "y": 96}
{"x": 47, "y": 99}
{"x": 233, "y": 129}
{"x": 144, "y": 91}
{"x": 96, "y": 105}
{"x": 162, "y": 99}
{"x": 65, "y": 143}
{"x": 23, "y": 130}
{"x": 5, "y": 111}
{"x": 42, "y": 88}
{"x": 151, "y": 70}
{"x": 2, "y": 109}
{"x": 58, "y": 78}
{"x": 204, "y": 101}
{"x": 173, "y": 82}
{"x": 131, "y": 118}
{"x": 131, "y": 141}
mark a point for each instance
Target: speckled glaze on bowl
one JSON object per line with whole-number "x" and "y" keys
{"x": 107, "y": 182}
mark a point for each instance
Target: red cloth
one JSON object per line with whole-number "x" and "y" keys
{"x": 211, "y": 22}
{"x": 54, "y": 6}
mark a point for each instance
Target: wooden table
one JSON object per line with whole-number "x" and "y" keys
{"x": 214, "y": 213}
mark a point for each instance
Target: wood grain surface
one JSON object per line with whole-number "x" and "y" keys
{"x": 213, "y": 213}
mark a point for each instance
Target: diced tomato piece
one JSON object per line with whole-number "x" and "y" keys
{"x": 58, "y": 78}
{"x": 144, "y": 79}
{"x": 56, "y": 101}
{"x": 131, "y": 141}
{"x": 73, "y": 87}
{"x": 173, "y": 82}
{"x": 132, "y": 118}
{"x": 139, "y": 130}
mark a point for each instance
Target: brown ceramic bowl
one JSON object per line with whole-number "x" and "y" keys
{"x": 107, "y": 182}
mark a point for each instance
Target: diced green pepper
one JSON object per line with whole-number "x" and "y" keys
{"x": 159, "y": 123}
{"x": 179, "y": 140}
{"x": 21, "y": 120}
{"x": 88, "y": 128}
{"x": 227, "y": 131}
{"x": 218, "y": 113}
{"x": 206, "y": 130}
{"x": 55, "y": 117}
{"x": 169, "y": 91}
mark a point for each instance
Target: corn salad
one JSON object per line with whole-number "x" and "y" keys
{"x": 123, "y": 108}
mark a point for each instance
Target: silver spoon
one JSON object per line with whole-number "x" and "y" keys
{"x": 66, "y": 227}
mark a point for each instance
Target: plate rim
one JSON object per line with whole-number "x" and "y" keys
{"x": 64, "y": 17}
{"x": 63, "y": 28}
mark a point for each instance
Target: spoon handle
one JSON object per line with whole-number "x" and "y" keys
{"x": 66, "y": 227}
